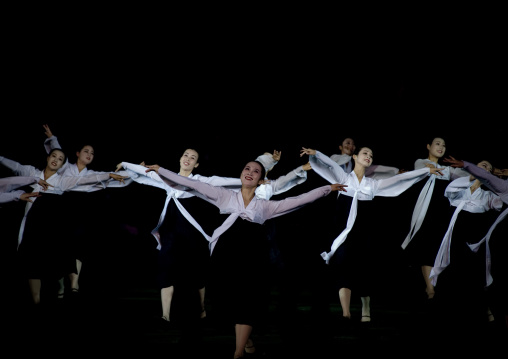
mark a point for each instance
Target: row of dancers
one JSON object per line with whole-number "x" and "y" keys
{"x": 217, "y": 250}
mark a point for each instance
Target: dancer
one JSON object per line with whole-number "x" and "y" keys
{"x": 344, "y": 159}
{"x": 496, "y": 233}
{"x": 79, "y": 202}
{"x": 180, "y": 243}
{"x": 428, "y": 222}
{"x": 47, "y": 257}
{"x": 185, "y": 226}
{"x": 458, "y": 268}
{"x": 351, "y": 257}
{"x": 239, "y": 258}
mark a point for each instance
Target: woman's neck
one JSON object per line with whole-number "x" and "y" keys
{"x": 433, "y": 158}
{"x": 48, "y": 173}
{"x": 359, "y": 172}
{"x": 184, "y": 173}
{"x": 248, "y": 194}
{"x": 476, "y": 184}
{"x": 81, "y": 166}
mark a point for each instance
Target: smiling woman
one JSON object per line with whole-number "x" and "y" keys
{"x": 237, "y": 251}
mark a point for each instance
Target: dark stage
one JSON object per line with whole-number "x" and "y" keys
{"x": 117, "y": 319}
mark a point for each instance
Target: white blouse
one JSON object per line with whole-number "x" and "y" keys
{"x": 423, "y": 201}
{"x": 60, "y": 184}
{"x": 365, "y": 190}
{"x": 460, "y": 196}
{"x": 231, "y": 201}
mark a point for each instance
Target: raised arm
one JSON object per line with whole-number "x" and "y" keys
{"x": 51, "y": 142}
{"x": 494, "y": 183}
{"x": 269, "y": 160}
{"x": 325, "y": 166}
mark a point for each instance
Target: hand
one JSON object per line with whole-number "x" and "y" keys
{"x": 307, "y": 151}
{"x": 48, "y": 131}
{"x": 307, "y": 166}
{"x": 453, "y": 162}
{"x": 153, "y": 168}
{"x": 401, "y": 171}
{"x": 500, "y": 172}
{"x": 118, "y": 177}
{"x": 118, "y": 167}
{"x": 430, "y": 165}
{"x": 44, "y": 184}
{"x": 338, "y": 187}
{"x": 436, "y": 171}
{"x": 276, "y": 155}
{"x": 27, "y": 196}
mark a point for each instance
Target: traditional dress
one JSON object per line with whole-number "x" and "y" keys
{"x": 238, "y": 288}
{"x": 494, "y": 244}
{"x": 467, "y": 208}
{"x": 461, "y": 295}
{"x": 42, "y": 255}
{"x": 352, "y": 256}
{"x": 184, "y": 229}
{"x": 429, "y": 219}
{"x": 84, "y": 219}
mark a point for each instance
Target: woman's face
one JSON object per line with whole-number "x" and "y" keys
{"x": 55, "y": 160}
{"x": 485, "y": 165}
{"x": 189, "y": 160}
{"x": 347, "y": 147}
{"x": 251, "y": 174}
{"x": 364, "y": 157}
{"x": 86, "y": 155}
{"x": 437, "y": 148}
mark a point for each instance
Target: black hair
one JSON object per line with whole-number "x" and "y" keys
{"x": 263, "y": 170}
{"x": 358, "y": 148}
{"x": 357, "y": 151}
{"x": 431, "y": 139}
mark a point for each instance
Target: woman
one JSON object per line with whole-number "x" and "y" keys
{"x": 182, "y": 240}
{"x": 182, "y": 233}
{"x": 239, "y": 254}
{"x": 47, "y": 257}
{"x": 351, "y": 257}
{"x": 80, "y": 202}
{"x": 458, "y": 267}
{"x": 497, "y": 233}
{"x": 344, "y": 159}
{"x": 428, "y": 222}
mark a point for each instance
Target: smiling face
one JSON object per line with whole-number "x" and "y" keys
{"x": 189, "y": 160}
{"x": 86, "y": 155}
{"x": 251, "y": 175}
{"x": 55, "y": 160}
{"x": 348, "y": 147}
{"x": 364, "y": 157}
{"x": 437, "y": 148}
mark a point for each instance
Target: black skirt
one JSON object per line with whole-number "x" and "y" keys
{"x": 239, "y": 284}
{"x": 45, "y": 252}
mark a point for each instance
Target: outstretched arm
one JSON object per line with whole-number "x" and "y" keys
{"x": 494, "y": 183}
{"x": 453, "y": 162}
